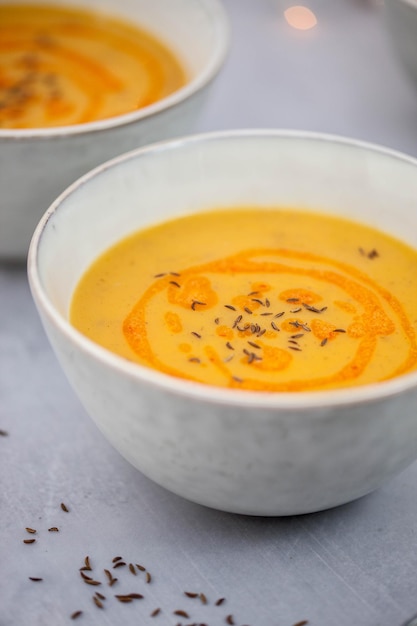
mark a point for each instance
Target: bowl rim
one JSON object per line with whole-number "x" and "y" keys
{"x": 199, "y": 391}
{"x": 222, "y": 36}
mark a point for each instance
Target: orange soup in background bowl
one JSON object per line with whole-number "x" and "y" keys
{"x": 244, "y": 329}
{"x": 80, "y": 83}
{"x": 66, "y": 65}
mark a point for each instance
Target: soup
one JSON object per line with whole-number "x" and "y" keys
{"x": 62, "y": 66}
{"x": 258, "y": 299}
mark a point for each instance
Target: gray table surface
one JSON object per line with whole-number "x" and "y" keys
{"x": 351, "y": 566}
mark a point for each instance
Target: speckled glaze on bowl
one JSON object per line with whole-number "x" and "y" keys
{"x": 245, "y": 452}
{"x": 38, "y": 164}
{"x": 401, "y": 18}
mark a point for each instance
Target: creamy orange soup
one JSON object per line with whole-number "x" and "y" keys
{"x": 267, "y": 300}
{"x": 62, "y": 66}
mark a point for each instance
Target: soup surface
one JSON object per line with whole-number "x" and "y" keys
{"x": 260, "y": 299}
{"x": 62, "y": 66}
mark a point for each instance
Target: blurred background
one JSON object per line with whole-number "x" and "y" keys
{"x": 343, "y": 75}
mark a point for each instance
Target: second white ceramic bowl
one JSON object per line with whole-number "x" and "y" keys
{"x": 241, "y": 451}
{"x": 36, "y": 165}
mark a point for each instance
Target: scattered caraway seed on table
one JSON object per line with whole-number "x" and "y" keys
{"x": 98, "y": 603}
{"x": 76, "y": 614}
{"x": 100, "y": 600}
{"x": 155, "y": 612}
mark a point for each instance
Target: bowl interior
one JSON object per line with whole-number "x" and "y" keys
{"x": 184, "y": 176}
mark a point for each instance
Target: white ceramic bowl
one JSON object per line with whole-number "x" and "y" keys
{"x": 401, "y": 18}
{"x": 241, "y": 451}
{"x": 36, "y": 165}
